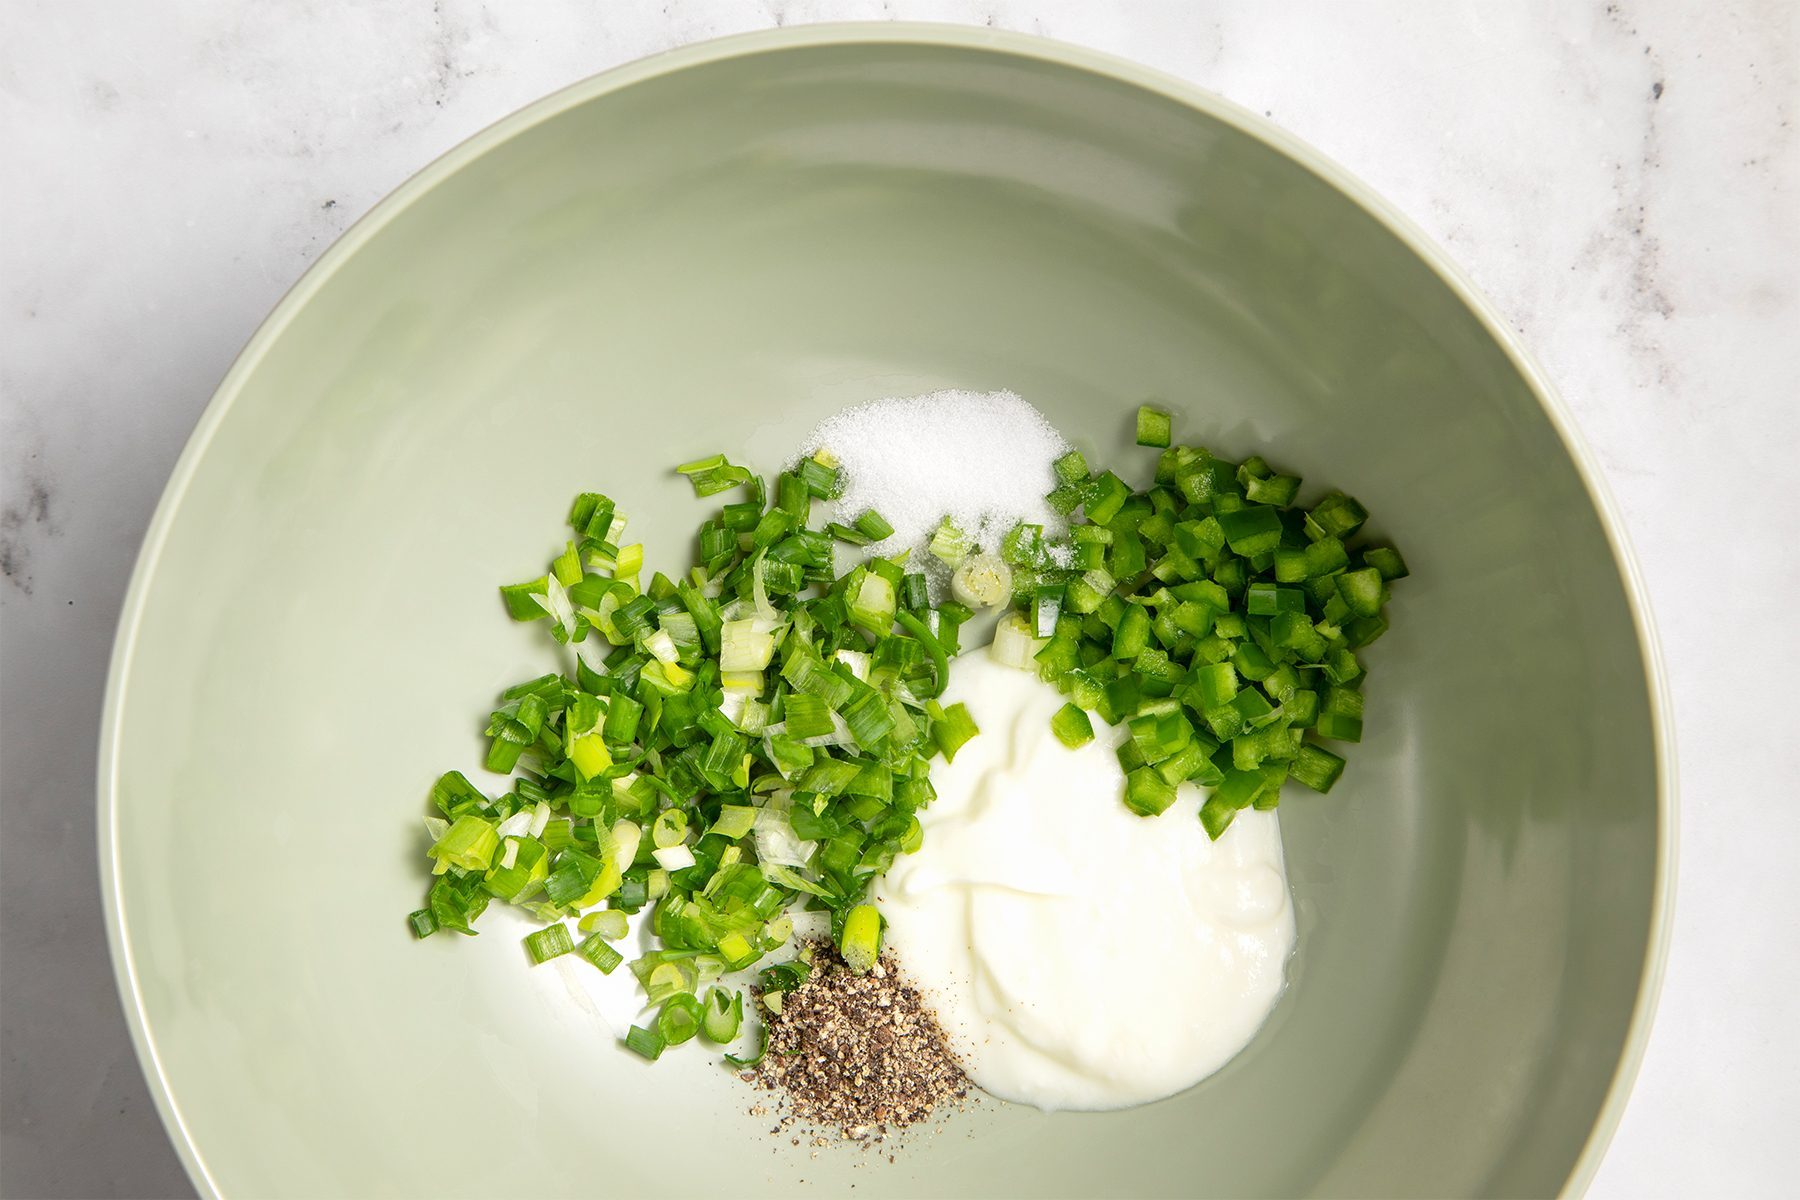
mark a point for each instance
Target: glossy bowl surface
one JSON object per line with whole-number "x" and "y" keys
{"x": 713, "y": 249}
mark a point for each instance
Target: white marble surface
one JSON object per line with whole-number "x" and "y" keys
{"x": 1623, "y": 180}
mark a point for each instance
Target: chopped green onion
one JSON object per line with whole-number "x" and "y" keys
{"x": 808, "y": 716}
{"x": 914, "y": 593}
{"x": 949, "y": 545}
{"x": 734, "y": 821}
{"x": 711, "y": 476}
{"x": 762, "y": 1048}
{"x": 953, "y": 729}
{"x": 595, "y": 949}
{"x": 469, "y": 843}
{"x": 608, "y": 923}
{"x": 679, "y": 1020}
{"x": 860, "y": 943}
{"x": 873, "y": 526}
{"x": 981, "y": 582}
{"x": 1014, "y": 643}
{"x": 523, "y": 599}
{"x": 548, "y": 942}
{"x": 723, "y": 1016}
{"x": 745, "y": 645}
{"x": 669, "y": 828}
{"x": 820, "y": 475}
{"x": 874, "y": 604}
{"x": 934, "y": 650}
{"x": 591, "y": 515}
{"x": 645, "y": 1043}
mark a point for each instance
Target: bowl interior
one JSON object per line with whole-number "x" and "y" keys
{"x": 671, "y": 262}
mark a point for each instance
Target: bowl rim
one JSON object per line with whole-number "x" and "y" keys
{"x": 963, "y": 37}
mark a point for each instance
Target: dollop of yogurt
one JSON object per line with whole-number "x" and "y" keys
{"x": 1080, "y": 956}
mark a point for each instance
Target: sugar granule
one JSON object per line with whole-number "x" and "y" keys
{"x": 980, "y": 458}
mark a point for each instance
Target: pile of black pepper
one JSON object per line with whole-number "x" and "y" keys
{"x": 861, "y": 1054}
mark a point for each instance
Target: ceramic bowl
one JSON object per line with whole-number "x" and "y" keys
{"x": 713, "y": 249}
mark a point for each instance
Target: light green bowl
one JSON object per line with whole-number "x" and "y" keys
{"x": 711, "y": 250}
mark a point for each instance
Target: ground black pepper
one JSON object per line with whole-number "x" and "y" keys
{"x": 861, "y": 1054}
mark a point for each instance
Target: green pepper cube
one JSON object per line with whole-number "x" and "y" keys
{"x": 1293, "y": 631}
{"x": 1192, "y": 618}
{"x": 1282, "y": 683}
{"x": 1072, "y": 726}
{"x": 1290, "y": 564}
{"x": 1361, "y": 591}
{"x": 1071, "y": 468}
{"x": 1274, "y": 775}
{"x": 1225, "y": 721}
{"x": 1251, "y": 704}
{"x": 1105, "y": 497}
{"x": 1251, "y": 662}
{"x": 1214, "y": 685}
{"x": 1273, "y": 489}
{"x": 1065, "y": 498}
{"x": 1200, "y": 539}
{"x": 1253, "y": 529}
{"x": 1387, "y": 560}
{"x": 1240, "y": 788}
{"x": 1147, "y": 793}
{"x": 1216, "y": 815}
{"x": 1341, "y": 715}
{"x": 1119, "y": 701}
{"x": 1266, "y": 599}
{"x": 1132, "y": 635}
{"x": 1325, "y": 557}
{"x": 1316, "y": 767}
{"x": 1339, "y": 728}
{"x": 1206, "y": 479}
{"x": 1342, "y": 667}
{"x": 1337, "y": 515}
{"x": 1153, "y": 427}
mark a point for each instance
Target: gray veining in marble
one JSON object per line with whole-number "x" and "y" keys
{"x": 1622, "y": 179}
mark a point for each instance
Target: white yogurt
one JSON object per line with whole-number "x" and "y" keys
{"x": 1080, "y": 956}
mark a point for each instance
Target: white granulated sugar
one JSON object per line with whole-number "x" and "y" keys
{"x": 980, "y": 458}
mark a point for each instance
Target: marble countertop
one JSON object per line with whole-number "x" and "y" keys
{"x": 1622, "y": 179}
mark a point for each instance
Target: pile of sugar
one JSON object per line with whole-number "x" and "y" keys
{"x": 980, "y": 458}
